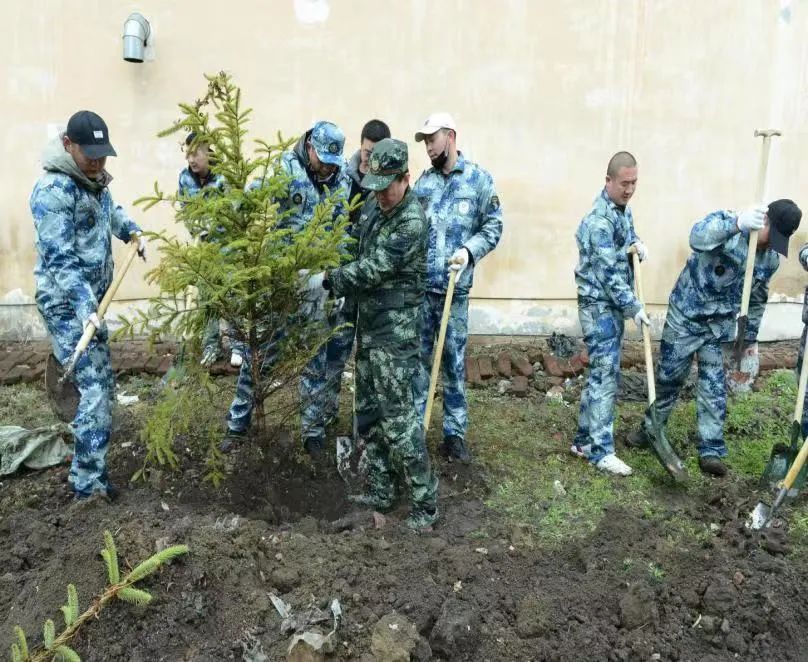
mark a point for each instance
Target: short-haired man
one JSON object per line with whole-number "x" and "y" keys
{"x": 340, "y": 345}
{"x": 74, "y": 220}
{"x": 316, "y": 167}
{"x": 606, "y": 298}
{"x": 465, "y": 224}
{"x": 702, "y": 310}
{"x": 387, "y": 279}
{"x": 198, "y": 179}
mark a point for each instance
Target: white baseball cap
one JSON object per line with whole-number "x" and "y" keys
{"x": 435, "y": 122}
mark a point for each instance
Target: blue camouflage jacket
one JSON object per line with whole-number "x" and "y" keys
{"x": 463, "y": 209}
{"x": 708, "y": 291}
{"x": 603, "y": 274}
{"x": 74, "y": 220}
{"x": 190, "y": 184}
{"x": 305, "y": 193}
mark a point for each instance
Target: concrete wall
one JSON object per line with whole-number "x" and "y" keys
{"x": 544, "y": 92}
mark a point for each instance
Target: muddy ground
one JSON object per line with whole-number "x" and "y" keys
{"x": 483, "y": 586}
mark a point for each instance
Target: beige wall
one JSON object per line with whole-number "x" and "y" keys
{"x": 543, "y": 93}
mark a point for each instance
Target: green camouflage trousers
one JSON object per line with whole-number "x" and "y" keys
{"x": 387, "y": 420}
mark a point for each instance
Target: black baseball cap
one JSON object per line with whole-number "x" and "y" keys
{"x": 89, "y": 131}
{"x": 784, "y": 219}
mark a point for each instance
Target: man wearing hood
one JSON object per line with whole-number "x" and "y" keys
{"x": 74, "y": 220}
{"x": 340, "y": 346}
{"x": 315, "y": 167}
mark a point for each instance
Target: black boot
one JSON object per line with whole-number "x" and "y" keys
{"x": 454, "y": 448}
{"x": 712, "y": 465}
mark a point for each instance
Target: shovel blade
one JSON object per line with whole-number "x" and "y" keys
{"x": 759, "y": 516}
{"x": 740, "y": 340}
{"x": 62, "y": 393}
{"x": 663, "y": 449}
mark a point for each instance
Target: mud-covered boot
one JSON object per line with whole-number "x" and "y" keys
{"x": 422, "y": 520}
{"x": 638, "y": 439}
{"x": 712, "y": 465}
{"x": 373, "y": 501}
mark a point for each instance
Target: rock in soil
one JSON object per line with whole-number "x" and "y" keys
{"x": 395, "y": 639}
{"x": 456, "y": 629}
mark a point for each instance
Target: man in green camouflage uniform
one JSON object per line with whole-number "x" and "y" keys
{"x": 388, "y": 281}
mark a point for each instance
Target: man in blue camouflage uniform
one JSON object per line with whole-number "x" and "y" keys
{"x": 340, "y": 346}
{"x": 74, "y": 220}
{"x": 605, "y": 283}
{"x": 315, "y": 165}
{"x": 702, "y": 312}
{"x": 465, "y": 224}
{"x": 198, "y": 179}
{"x": 387, "y": 280}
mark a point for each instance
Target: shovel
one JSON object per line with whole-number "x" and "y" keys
{"x": 61, "y": 390}
{"x": 763, "y": 514}
{"x": 444, "y": 322}
{"x": 659, "y": 440}
{"x": 783, "y": 456}
{"x": 743, "y": 317}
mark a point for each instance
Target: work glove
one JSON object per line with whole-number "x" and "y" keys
{"x": 92, "y": 319}
{"x": 141, "y": 245}
{"x": 641, "y": 318}
{"x": 339, "y": 304}
{"x": 642, "y": 250}
{"x": 236, "y": 359}
{"x": 313, "y": 293}
{"x": 459, "y": 261}
{"x": 752, "y": 219}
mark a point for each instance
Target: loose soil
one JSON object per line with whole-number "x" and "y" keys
{"x": 477, "y": 588}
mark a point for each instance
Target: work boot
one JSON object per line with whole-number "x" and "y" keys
{"x": 422, "y": 520}
{"x": 454, "y": 448}
{"x": 712, "y": 465}
{"x": 232, "y": 440}
{"x": 638, "y": 439}
{"x": 373, "y": 501}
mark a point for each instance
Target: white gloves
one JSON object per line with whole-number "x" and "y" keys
{"x": 313, "y": 293}
{"x": 459, "y": 261}
{"x": 141, "y": 245}
{"x": 641, "y": 318}
{"x": 92, "y": 319}
{"x": 752, "y": 219}
{"x": 236, "y": 359}
{"x": 642, "y": 250}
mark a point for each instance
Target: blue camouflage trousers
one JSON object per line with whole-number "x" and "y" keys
{"x": 95, "y": 382}
{"x": 337, "y": 352}
{"x": 240, "y": 414}
{"x": 602, "y": 327}
{"x": 453, "y": 361}
{"x": 676, "y": 351}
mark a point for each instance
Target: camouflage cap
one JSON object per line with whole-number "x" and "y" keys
{"x": 388, "y": 159}
{"x": 328, "y": 140}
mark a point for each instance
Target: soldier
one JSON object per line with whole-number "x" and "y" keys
{"x": 701, "y": 315}
{"x": 74, "y": 220}
{"x": 340, "y": 345}
{"x": 387, "y": 279}
{"x": 465, "y": 224}
{"x": 315, "y": 166}
{"x": 198, "y": 179}
{"x": 605, "y": 299}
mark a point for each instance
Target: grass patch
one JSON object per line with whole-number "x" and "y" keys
{"x": 25, "y": 405}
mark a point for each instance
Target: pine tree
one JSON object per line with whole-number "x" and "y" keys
{"x": 249, "y": 268}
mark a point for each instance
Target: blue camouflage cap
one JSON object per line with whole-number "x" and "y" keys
{"x": 327, "y": 139}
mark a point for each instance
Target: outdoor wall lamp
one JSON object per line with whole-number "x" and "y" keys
{"x": 136, "y": 33}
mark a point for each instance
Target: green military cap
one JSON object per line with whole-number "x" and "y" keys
{"x": 388, "y": 159}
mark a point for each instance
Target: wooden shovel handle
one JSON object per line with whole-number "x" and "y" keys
{"x": 796, "y": 466}
{"x": 438, "y": 351}
{"x": 646, "y": 332}
{"x": 765, "y": 147}
{"x": 89, "y": 332}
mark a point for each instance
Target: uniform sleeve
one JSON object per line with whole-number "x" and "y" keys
{"x": 181, "y": 189}
{"x": 369, "y": 271}
{"x": 482, "y": 242}
{"x": 52, "y": 208}
{"x": 712, "y": 231}
{"x": 803, "y": 255}
{"x": 123, "y": 227}
{"x": 604, "y": 259}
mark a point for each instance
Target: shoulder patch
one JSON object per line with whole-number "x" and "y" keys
{"x": 297, "y": 198}
{"x": 494, "y": 202}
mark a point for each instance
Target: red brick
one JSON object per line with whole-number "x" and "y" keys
{"x": 504, "y": 365}
{"x": 13, "y": 376}
{"x": 519, "y": 386}
{"x": 534, "y": 355}
{"x": 165, "y": 364}
{"x": 486, "y": 367}
{"x": 473, "y": 371}
{"x": 522, "y": 365}
{"x": 151, "y": 364}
